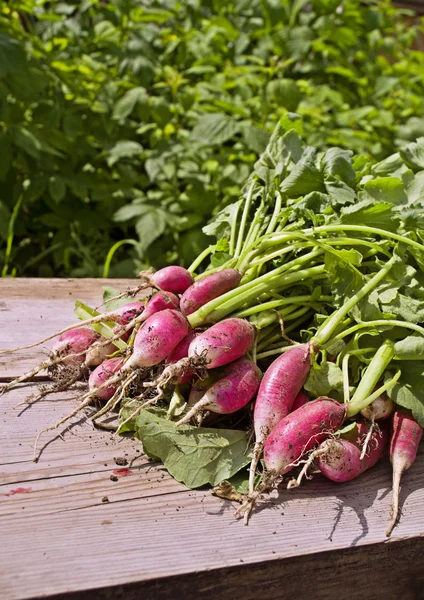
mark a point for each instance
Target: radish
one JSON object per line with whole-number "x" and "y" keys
{"x": 381, "y": 408}
{"x": 301, "y": 399}
{"x": 158, "y": 336}
{"x": 97, "y": 353}
{"x": 403, "y": 452}
{"x": 181, "y": 351}
{"x": 223, "y": 343}
{"x": 340, "y": 459}
{"x": 101, "y": 374}
{"x": 75, "y": 341}
{"x": 208, "y": 288}
{"x": 300, "y": 431}
{"x": 279, "y": 388}
{"x": 172, "y": 279}
{"x": 159, "y": 301}
{"x": 235, "y": 388}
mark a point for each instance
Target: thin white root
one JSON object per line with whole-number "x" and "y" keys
{"x": 201, "y": 405}
{"x": 137, "y": 411}
{"x": 294, "y": 483}
{"x": 56, "y": 388}
{"x": 86, "y": 399}
{"x": 367, "y": 440}
{"x": 116, "y": 398}
{"x": 257, "y": 453}
{"x": 41, "y": 367}
{"x": 145, "y": 275}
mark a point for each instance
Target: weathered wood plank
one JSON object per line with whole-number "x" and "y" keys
{"x": 154, "y": 538}
{"x": 152, "y": 527}
{"x": 31, "y": 309}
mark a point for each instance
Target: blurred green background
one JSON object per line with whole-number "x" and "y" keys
{"x": 125, "y": 124}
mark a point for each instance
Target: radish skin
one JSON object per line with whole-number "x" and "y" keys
{"x": 236, "y": 387}
{"x": 404, "y": 445}
{"x": 158, "y": 336}
{"x": 278, "y": 391}
{"x": 340, "y": 460}
{"x": 181, "y": 351}
{"x": 101, "y": 374}
{"x": 300, "y": 431}
{"x": 75, "y": 341}
{"x": 172, "y": 279}
{"x": 381, "y": 408}
{"x": 223, "y": 343}
{"x": 301, "y": 399}
{"x": 208, "y": 288}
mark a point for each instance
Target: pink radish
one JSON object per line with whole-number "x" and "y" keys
{"x": 181, "y": 351}
{"x": 127, "y": 312}
{"x": 340, "y": 459}
{"x": 172, "y": 279}
{"x": 208, "y": 288}
{"x": 158, "y": 336}
{"x": 159, "y": 301}
{"x": 75, "y": 341}
{"x": 96, "y": 354}
{"x": 223, "y": 343}
{"x": 278, "y": 391}
{"x": 381, "y": 408}
{"x": 300, "y": 431}
{"x": 301, "y": 399}
{"x": 235, "y": 388}
{"x": 101, "y": 374}
{"x": 403, "y": 452}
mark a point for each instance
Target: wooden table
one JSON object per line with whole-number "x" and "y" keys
{"x": 73, "y": 530}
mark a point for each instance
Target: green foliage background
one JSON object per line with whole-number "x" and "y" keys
{"x": 125, "y": 124}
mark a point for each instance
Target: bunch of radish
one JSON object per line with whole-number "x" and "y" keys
{"x": 246, "y": 337}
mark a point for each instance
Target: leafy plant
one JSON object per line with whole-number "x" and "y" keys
{"x": 124, "y": 125}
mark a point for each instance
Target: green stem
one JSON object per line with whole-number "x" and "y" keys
{"x": 244, "y": 220}
{"x": 234, "y": 230}
{"x": 11, "y": 235}
{"x": 373, "y": 374}
{"x": 247, "y": 312}
{"x": 366, "y": 229}
{"x": 327, "y": 329}
{"x": 378, "y": 323}
{"x": 200, "y": 259}
{"x": 112, "y": 251}
{"x": 215, "y": 311}
{"x": 274, "y": 219}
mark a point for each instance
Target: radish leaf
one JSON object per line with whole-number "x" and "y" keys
{"x": 219, "y": 453}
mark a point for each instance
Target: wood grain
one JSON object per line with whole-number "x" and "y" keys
{"x": 153, "y": 538}
{"x": 32, "y": 309}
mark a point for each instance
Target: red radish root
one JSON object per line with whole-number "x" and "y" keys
{"x": 208, "y": 288}
{"x": 236, "y": 387}
{"x": 403, "y": 452}
{"x": 279, "y": 388}
{"x": 172, "y": 279}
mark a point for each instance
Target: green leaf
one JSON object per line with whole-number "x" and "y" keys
{"x": 338, "y": 163}
{"x": 123, "y": 149}
{"x": 413, "y": 154}
{"x": 125, "y": 106}
{"x": 219, "y": 453}
{"x": 304, "y": 178}
{"x": 215, "y": 128}
{"x": 387, "y": 189}
{"x": 57, "y": 188}
{"x": 410, "y": 348}
{"x": 372, "y": 214}
{"x": 409, "y": 389}
{"x": 323, "y": 379}
{"x": 150, "y": 225}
